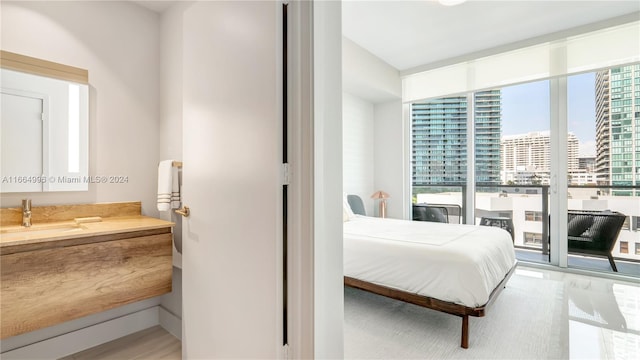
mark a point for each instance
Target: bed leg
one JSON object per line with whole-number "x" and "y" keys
{"x": 465, "y": 332}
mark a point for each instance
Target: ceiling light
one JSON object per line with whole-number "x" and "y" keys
{"x": 451, "y": 2}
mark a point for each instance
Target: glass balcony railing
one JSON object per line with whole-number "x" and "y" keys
{"x": 528, "y": 208}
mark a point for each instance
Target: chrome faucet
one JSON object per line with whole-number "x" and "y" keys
{"x": 26, "y": 212}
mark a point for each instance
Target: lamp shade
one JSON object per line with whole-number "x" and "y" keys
{"x": 380, "y": 195}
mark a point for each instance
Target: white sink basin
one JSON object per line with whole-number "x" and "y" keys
{"x": 31, "y": 232}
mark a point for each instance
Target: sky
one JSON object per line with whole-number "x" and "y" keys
{"x": 525, "y": 108}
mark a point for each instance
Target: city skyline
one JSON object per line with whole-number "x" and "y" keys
{"x": 603, "y": 110}
{"x": 525, "y": 109}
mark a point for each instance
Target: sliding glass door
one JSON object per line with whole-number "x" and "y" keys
{"x": 604, "y": 177}
{"x": 550, "y": 156}
{"x": 512, "y": 164}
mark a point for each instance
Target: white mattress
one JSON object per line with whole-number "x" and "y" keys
{"x": 450, "y": 262}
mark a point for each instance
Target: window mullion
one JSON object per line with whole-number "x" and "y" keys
{"x": 470, "y": 194}
{"x": 559, "y": 171}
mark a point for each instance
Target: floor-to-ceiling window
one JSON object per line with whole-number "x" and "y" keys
{"x": 512, "y": 157}
{"x": 604, "y": 114}
{"x": 562, "y": 125}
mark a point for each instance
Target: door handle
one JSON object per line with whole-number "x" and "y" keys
{"x": 184, "y": 211}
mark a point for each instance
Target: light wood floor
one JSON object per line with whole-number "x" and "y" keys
{"x": 153, "y": 343}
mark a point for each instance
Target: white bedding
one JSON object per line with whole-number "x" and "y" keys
{"x": 450, "y": 262}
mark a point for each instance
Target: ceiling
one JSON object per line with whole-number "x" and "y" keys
{"x": 157, "y": 6}
{"x": 411, "y": 34}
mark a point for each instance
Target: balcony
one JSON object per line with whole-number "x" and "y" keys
{"x": 528, "y": 207}
{"x": 625, "y": 267}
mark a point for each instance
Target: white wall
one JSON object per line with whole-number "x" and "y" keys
{"x": 118, "y": 43}
{"x": 327, "y": 132}
{"x": 391, "y": 157}
{"x": 368, "y": 76}
{"x": 373, "y": 130}
{"x": 171, "y": 23}
{"x": 358, "y": 149}
{"x": 171, "y": 101}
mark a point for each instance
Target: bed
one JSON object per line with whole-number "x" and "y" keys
{"x": 457, "y": 269}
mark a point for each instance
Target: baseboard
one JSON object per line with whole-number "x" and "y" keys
{"x": 85, "y": 338}
{"x": 170, "y": 322}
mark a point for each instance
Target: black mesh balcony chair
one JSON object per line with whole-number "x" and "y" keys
{"x": 424, "y": 212}
{"x": 594, "y": 233}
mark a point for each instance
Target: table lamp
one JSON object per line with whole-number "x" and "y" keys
{"x": 382, "y": 205}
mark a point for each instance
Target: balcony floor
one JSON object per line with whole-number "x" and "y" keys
{"x": 583, "y": 262}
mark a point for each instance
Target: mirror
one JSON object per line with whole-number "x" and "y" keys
{"x": 44, "y": 126}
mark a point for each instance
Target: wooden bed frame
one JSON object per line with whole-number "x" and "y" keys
{"x": 433, "y": 303}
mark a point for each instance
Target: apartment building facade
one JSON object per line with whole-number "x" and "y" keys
{"x": 526, "y": 158}
{"x": 618, "y": 125}
{"x": 439, "y": 139}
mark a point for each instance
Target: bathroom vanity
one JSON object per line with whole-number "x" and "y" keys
{"x": 77, "y": 260}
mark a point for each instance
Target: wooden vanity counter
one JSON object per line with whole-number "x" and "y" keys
{"x": 61, "y": 270}
{"x": 64, "y": 233}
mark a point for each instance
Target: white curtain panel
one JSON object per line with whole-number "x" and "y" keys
{"x": 591, "y": 51}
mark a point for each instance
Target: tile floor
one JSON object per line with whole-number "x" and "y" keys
{"x": 601, "y": 317}
{"x": 541, "y": 314}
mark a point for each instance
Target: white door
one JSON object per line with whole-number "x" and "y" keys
{"x": 231, "y": 261}
{"x": 22, "y": 131}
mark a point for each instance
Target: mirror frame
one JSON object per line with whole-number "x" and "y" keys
{"x": 31, "y": 65}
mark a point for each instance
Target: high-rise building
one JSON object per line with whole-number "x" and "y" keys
{"x": 532, "y": 152}
{"x": 587, "y": 163}
{"x": 439, "y": 139}
{"x": 488, "y": 122}
{"x": 439, "y": 136}
{"x": 618, "y": 125}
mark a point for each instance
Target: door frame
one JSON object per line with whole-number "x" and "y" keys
{"x": 315, "y": 279}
